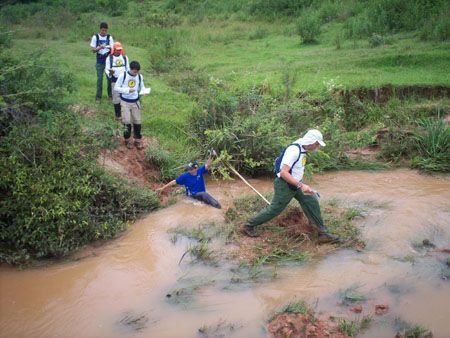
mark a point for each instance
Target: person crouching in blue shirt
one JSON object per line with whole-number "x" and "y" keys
{"x": 194, "y": 183}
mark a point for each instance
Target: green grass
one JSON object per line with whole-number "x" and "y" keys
{"x": 353, "y": 327}
{"x": 239, "y": 54}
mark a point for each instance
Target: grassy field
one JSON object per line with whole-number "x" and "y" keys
{"x": 242, "y": 55}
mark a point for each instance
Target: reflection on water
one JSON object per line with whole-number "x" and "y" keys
{"x": 121, "y": 288}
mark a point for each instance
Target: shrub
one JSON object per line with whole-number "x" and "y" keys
{"x": 437, "y": 28}
{"x": 376, "y": 40}
{"x": 396, "y": 145}
{"x": 166, "y": 56}
{"x": 308, "y": 27}
{"x": 57, "y": 199}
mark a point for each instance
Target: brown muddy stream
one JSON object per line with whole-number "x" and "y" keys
{"x": 119, "y": 289}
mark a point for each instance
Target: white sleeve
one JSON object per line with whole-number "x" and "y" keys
{"x": 127, "y": 68}
{"x": 94, "y": 41}
{"x": 107, "y": 65}
{"x": 290, "y": 156}
{"x": 111, "y": 42}
{"x": 122, "y": 89}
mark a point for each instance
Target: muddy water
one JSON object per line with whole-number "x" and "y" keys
{"x": 120, "y": 288}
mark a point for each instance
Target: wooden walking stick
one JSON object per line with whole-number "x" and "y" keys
{"x": 245, "y": 181}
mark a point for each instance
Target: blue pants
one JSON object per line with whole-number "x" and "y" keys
{"x": 208, "y": 199}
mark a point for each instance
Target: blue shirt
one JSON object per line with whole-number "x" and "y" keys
{"x": 193, "y": 184}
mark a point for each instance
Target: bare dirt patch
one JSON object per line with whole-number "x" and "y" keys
{"x": 284, "y": 238}
{"x": 296, "y": 325}
{"x": 131, "y": 164}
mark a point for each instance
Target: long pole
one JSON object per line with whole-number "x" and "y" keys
{"x": 245, "y": 181}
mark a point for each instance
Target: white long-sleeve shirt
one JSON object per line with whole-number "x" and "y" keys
{"x": 120, "y": 64}
{"x": 125, "y": 82}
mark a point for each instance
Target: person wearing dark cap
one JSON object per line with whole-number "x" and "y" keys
{"x": 194, "y": 183}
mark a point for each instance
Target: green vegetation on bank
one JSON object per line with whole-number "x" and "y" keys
{"x": 55, "y": 196}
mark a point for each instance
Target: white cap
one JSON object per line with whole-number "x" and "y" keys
{"x": 313, "y": 136}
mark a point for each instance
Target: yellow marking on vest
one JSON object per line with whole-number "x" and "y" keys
{"x": 303, "y": 161}
{"x": 131, "y": 83}
{"x": 119, "y": 63}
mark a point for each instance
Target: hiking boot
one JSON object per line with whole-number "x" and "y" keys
{"x": 118, "y": 118}
{"x": 250, "y": 231}
{"x": 326, "y": 237}
{"x": 97, "y": 100}
{"x": 138, "y": 144}
{"x": 128, "y": 144}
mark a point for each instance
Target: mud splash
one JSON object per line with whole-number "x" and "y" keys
{"x": 119, "y": 289}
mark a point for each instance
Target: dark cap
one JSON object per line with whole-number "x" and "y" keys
{"x": 191, "y": 165}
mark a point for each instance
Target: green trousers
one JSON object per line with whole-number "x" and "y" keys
{"x": 100, "y": 72}
{"x": 282, "y": 196}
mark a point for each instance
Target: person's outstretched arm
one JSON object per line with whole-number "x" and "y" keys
{"x": 170, "y": 184}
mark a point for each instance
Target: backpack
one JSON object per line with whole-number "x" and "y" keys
{"x": 98, "y": 38}
{"x": 97, "y": 43}
{"x": 280, "y": 158}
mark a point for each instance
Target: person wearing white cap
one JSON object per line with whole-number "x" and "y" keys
{"x": 289, "y": 167}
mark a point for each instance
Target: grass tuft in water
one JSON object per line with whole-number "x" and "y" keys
{"x": 350, "y": 295}
{"x": 353, "y": 327}
{"x": 408, "y": 330}
{"x": 221, "y": 329}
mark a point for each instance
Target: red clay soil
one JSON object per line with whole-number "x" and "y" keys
{"x": 131, "y": 164}
{"x": 295, "y": 325}
{"x": 296, "y": 226}
{"x": 295, "y": 223}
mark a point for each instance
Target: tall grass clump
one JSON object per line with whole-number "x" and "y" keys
{"x": 433, "y": 144}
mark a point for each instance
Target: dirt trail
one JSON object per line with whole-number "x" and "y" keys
{"x": 131, "y": 164}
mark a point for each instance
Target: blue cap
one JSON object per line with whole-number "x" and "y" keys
{"x": 191, "y": 165}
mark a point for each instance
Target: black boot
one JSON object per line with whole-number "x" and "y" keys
{"x": 326, "y": 237}
{"x": 117, "y": 112}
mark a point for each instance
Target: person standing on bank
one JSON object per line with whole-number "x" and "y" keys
{"x": 101, "y": 45}
{"x": 288, "y": 184}
{"x": 194, "y": 183}
{"x": 116, "y": 64}
{"x": 130, "y": 85}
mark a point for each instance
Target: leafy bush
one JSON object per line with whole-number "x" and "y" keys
{"x": 170, "y": 163}
{"x": 57, "y": 199}
{"x": 308, "y": 27}
{"x": 376, "y": 40}
{"x": 436, "y": 29}
{"x": 34, "y": 84}
{"x": 166, "y": 56}
{"x": 396, "y": 144}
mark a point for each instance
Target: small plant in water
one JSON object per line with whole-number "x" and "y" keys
{"x": 297, "y": 307}
{"x": 351, "y": 295}
{"x": 407, "y": 330}
{"x": 221, "y": 329}
{"x": 353, "y": 327}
